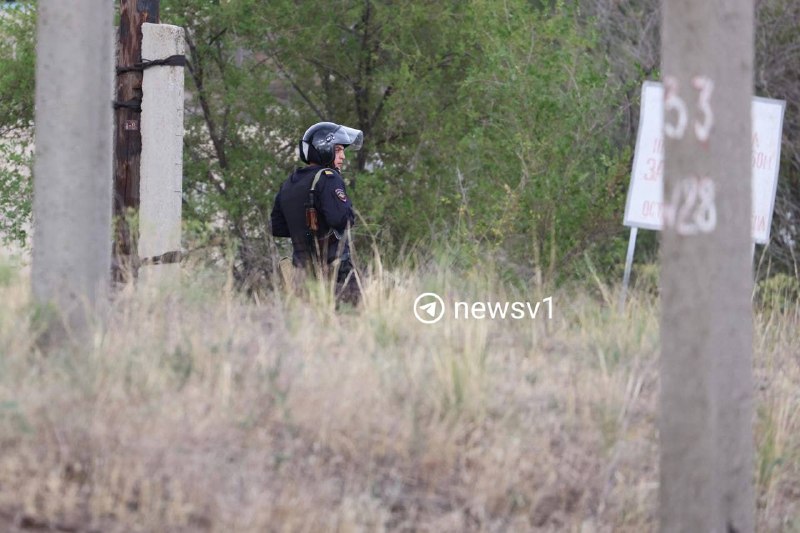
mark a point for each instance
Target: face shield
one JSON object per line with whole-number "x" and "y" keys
{"x": 319, "y": 142}
{"x": 348, "y": 137}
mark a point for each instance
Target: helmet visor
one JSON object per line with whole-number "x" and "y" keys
{"x": 348, "y": 137}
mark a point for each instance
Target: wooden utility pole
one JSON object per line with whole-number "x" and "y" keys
{"x": 128, "y": 136}
{"x": 706, "y": 462}
{"x": 71, "y": 190}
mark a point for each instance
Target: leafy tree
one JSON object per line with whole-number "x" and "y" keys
{"x": 231, "y": 147}
{"x": 17, "y": 59}
{"x": 546, "y": 181}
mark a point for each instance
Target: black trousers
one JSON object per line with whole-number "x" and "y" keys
{"x": 347, "y": 288}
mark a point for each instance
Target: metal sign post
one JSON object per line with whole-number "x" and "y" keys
{"x": 628, "y": 265}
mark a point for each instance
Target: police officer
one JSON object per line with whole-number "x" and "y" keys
{"x": 312, "y": 206}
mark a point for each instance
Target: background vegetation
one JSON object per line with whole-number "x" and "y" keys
{"x": 503, "y": 129}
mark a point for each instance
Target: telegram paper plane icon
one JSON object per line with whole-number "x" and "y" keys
{"x": 428, "y": 308}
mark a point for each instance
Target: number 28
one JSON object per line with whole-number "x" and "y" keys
{"x": 692, "y": 208}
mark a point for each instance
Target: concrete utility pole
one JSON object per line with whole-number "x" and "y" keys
{"x": 72, "y": 193}
{"x": 128, "y": 136}
{"x": 162, "y": 154}
{"x": 706, "y": 325}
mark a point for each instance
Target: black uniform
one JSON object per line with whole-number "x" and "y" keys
{"x": 335, "y": 213}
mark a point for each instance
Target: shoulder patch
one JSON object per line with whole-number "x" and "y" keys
{"x": 328, "y": 172}
{"x": 340, "y": 194}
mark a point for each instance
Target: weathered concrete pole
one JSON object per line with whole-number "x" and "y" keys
{"x": 73, "y": 121}
{"x": 706, "y": 325}
{"x": 162, "y": 155}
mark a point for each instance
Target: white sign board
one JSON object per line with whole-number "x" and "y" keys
{"x": 644, "y": 207}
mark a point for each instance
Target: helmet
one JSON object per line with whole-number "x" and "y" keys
{"x": 319, "y": 142}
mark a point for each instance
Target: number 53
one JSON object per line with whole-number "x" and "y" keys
{"x": 672, "y": 102}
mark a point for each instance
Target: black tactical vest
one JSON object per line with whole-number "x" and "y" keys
{"x": 294, "y": 197}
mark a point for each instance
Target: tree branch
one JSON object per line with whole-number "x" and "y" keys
{"x": 196, "y": 70}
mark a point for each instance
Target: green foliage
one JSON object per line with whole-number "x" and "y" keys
{"x": 544, "y": 181}
{"x": 17, "y": 60}
{"x": 780, "y": 292}
{"x": 15, "y": 191}
{"x": 485, "y": 127}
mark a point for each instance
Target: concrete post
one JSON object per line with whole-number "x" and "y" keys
{"x": 706, "y": 326}
{"x": 72, "y": 171}
{"x": 162, "y": 153}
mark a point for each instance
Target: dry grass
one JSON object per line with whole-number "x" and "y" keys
{"x": 194, "y": 410}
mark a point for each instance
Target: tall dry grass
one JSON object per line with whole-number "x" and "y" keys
{"x": 193, "y": 409}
